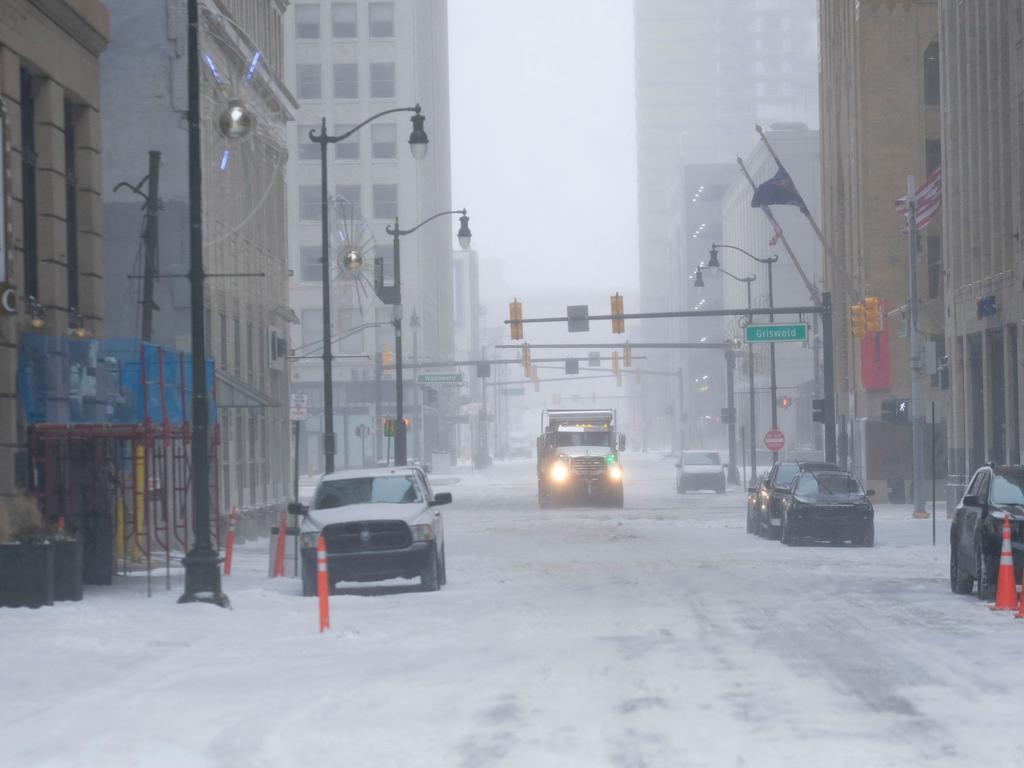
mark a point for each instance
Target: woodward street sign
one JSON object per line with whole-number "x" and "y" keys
{"x": 773, "y": 332}
{"x": 514, "y": 391}
{"x": 440, "y": 378}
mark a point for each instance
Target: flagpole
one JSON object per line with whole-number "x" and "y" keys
{"x": 804, "y": 210}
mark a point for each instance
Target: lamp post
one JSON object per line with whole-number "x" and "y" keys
{"x": 418, "y": 143}
{"x": 465, "y": 237}
{"x": 699, "y": 283}
{"x": 769, "y": 261}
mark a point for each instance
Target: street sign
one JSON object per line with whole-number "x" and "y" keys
{"x": 440, "y": 378}
{"x": 299, "y": 410}
{"x": 514, "y": 391}
{"x": 774, "y": 440}
{"x": 579, "y": 318}
{"x": 776, "y": 332}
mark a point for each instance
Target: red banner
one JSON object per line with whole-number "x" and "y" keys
{"x": 875, "y": 371}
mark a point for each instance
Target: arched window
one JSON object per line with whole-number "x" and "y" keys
{"x": 931, "y": 75}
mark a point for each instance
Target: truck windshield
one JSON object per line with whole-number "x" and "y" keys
{"x": 394, "y": 489}
{"x": 564, "y": 439}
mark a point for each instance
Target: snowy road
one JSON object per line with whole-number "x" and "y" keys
{"x": 657, "y": 635}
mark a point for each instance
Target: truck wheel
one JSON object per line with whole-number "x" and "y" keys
{"x": 308, "y": 579}
{"x": 618, "y": 498}
{"x": 430, "y": 576}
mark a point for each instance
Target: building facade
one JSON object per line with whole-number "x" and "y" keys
{"x": 880, "y": 122}
{"x": 52, "y": 232}
{"x": 983, "y": 217}
{"x": 348, "y": 61}
{"x": 697, "y": 99}
{"x": 244, "y": 217}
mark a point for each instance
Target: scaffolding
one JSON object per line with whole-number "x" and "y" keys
{"x": 109, "y": 436}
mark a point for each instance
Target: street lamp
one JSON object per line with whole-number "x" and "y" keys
{"x": 769, "y": 261}
{"x": 750, "y": 370}
{"x": 465, "y": 237}
{"x": 353, "y": 259}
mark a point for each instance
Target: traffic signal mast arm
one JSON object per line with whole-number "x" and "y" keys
{"x": 811, "y": 310}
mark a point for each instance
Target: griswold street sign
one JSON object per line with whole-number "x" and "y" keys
{"x": 775, "y": 332}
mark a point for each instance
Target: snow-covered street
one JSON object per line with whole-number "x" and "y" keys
{"x": 657, "y": 635}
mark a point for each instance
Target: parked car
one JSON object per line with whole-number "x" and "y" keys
{"x": 828, "y": 505}
{"x": 698, "y": 470}
{"x": 767, "y": 517}
{"x": 752, "y": 492}
{"x": 377, "y": 524}
{"x": 976, "y": 534}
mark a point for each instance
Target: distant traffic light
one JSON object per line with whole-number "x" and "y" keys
{"x": 872, "y": 314}
{"x": 387, "y": 357}
{"x": 627, "y": 356}
{"x": 858, "y": 321}
{"x": 785, "y": 401}
{"x": 515, "y": 315}
{"x": 483, "y": 370}
{"x": 615, "y": 362}
{"x": 526, "y": 360}
{"x": 389, "y": 427}
{"x": 572, "y": 366}
{"x": 618, "y": 321}
{"x": 896, "y": 410}
{"x": 818, "y": 410}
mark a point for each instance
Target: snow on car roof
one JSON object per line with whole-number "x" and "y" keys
{"x": 349, "y": 474}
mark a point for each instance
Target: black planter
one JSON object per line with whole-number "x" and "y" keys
{"x": 67, "y": 569}
{"x": 26, "y": 575}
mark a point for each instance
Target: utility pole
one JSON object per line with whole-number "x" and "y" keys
{"x": 151, "y": 244}
{"x": 730, "y": 388}
{"x": 916, "y": 357}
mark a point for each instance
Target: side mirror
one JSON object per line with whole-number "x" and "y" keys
{"x": 620, "y": 442}
{"x": 297, "y": 508}
{"x": 970, "y": 501}
{"x": 679, "y": 465}
{"x": 869, "y": 492}
{"x": 441, "y": 498}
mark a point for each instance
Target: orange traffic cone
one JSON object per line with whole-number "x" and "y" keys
{"x": 1006, "y": 589}
{"x": 323, "y": 587}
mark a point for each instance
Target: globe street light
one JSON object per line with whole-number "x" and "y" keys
{"x": 464, "y": 235}
{"x": 418, "y": 143}
{"x": 236, "y": 121}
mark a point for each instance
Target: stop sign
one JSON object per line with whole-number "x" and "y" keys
{"x": 774, "y": 440}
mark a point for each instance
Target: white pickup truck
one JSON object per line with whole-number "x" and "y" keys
{"x": 377, "y": 524}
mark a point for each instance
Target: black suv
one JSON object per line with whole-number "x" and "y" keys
{"x": 765, "y": 517}
{"x": 976, "y": 535}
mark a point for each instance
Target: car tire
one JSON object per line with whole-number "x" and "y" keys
{"x": 960, "y": 582}
{"x": 430, "y": 576}
{"x": 750, "y": 523}
{"x": 986, "y": 575}
{"x": 786, "y": 535}
{"x": 444, "y": 567}
{"x": 308, "y": 580}
{"x": 867, "y": 538}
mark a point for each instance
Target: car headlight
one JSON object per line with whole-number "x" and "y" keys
{"x": 615, "y": 472}
{"x": 559, "y": 471}
{"x": 422, "y": 532}
{"x": 308, "y": 540}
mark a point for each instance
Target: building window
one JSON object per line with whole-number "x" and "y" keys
{"x": 237, "y": 338}
{"x": 343, "y": 20}
{"x": 382, "y": 80}
{"x": 346, "y": 80}
{"x": 28, "y": 184}
{"x": 307, "y": 81}
{"x": 71, "y": 201}
{"x": 349, "y": 318}
{"x": 382, "y": 19}
{"x": 932, "y": 155}
{"x": 932, "y": 88}
{"x": 307, "y": 21}
{"x": 312, "y": 329}
{"x": 223, "y": 340}
{"x": 353, "y": 195}
{"x": 310, "y": 267}
{"x": 385, "y": 201}
{"x": 349, "y": 148}
{"x": 385, "y": 138}
{"x": 309, "y": 203}
{"x": 250, "y": 339}
{"x": 308, "y": 150}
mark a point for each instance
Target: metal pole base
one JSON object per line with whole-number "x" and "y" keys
{"x": 732, "y": 475}
{"x": 202, "y": 578}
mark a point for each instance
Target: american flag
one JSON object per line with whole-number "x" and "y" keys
{"x": 929, "y": 199}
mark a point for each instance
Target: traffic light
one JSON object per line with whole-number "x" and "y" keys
{"x": 406, "y": 422}
{"x": 387, "y": 357}
{"x": 526, "y": 360}
{"x": 618, "y": 321}
{"x": 896, "y": 410}
{"x": 572, "y": 365}
{"x": 858, "y": 321}
{"x": 785, "y": 401}
{"x": 536, "y": 379}
{"x": 872, "y": 314}
{"x": 389, "y": 427}
{"x": 515, "y": 315}
{"x": 483, "y": 370}
{"x": 627, "y": 356}
{"x": 818, "y": 410}
{"x": 615, "y": 362}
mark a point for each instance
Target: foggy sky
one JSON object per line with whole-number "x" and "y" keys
{"x": 543, "y": 144}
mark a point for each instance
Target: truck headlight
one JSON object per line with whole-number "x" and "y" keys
{"x": 422, "y": 532}
{"x": 615, "y": 472}
{"x": 308, "y": 540}
{"x": 559, "y": 471}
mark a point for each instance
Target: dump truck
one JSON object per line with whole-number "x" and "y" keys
{"x": 578, "y": 458}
